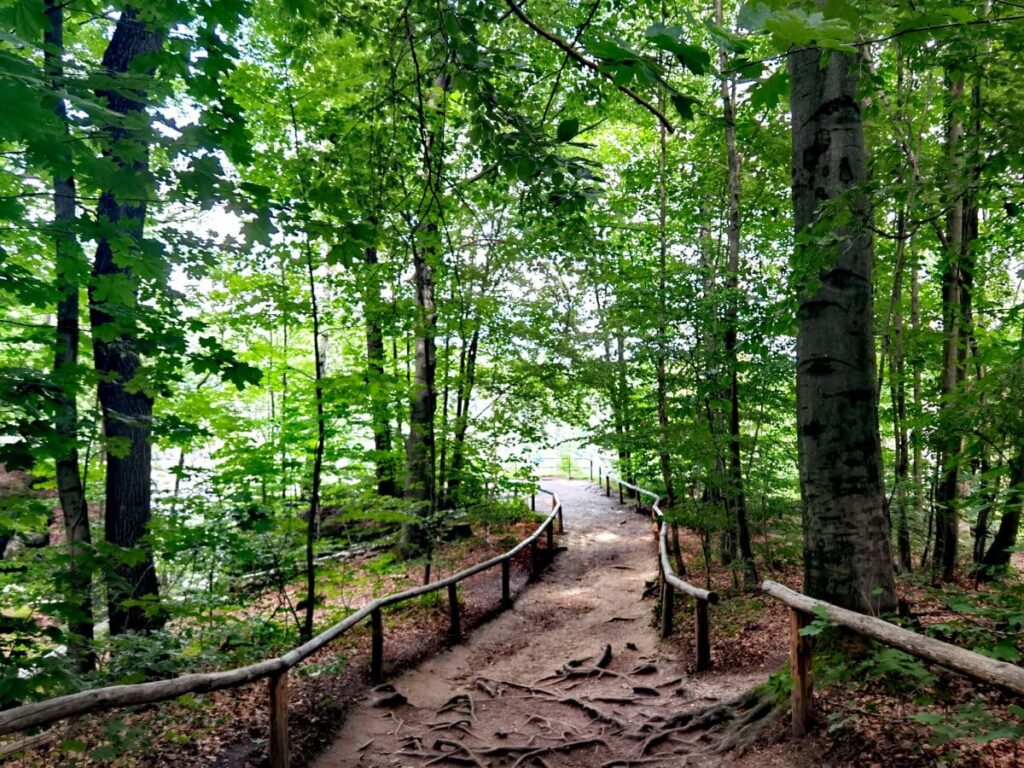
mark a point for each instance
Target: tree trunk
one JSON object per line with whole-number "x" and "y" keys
{"x": 664, "y": 457}
{"x": 998, "y": 556}
{"x": 419, "y": 446}
{"x": 312, "y": 521}
{"x": 847, "y": 559}
{"x": 78, "y": 591}
{"x": 734, "y": 487}
{"x": 956, "y": 298}
{"x": 127, "y": 415}
{"x": 379, "y": 404}
{"x": 898, "y": 392}
{"x": 462, "y": 419}
{"x": 625, "y": 452}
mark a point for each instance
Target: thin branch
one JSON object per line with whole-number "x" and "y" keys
{"x": 588, "y": 63}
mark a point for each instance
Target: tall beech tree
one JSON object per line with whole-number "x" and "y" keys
{"x": 847, "y": 558}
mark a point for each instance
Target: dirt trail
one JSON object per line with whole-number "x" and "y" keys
{"x": 498, "y": 691}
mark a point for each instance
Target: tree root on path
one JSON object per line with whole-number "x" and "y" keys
{"x": 461, "y": 703}
{"x": 595, "y": 713}
{"x": 574, "y": 669}
{"x": 625, "y": 762}
{"x": 731, "y": 725}
{"x": 737, "y": 722}
{"x": 568, "y": 747}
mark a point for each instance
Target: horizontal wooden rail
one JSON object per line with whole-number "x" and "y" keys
{"x": 804, "y": 608}
{"x": 670, "y": 581}
{"x": 117, "y": 696}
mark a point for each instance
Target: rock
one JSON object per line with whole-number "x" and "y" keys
{"x": 391, "y": 701}
{"x": 388, "y": 697}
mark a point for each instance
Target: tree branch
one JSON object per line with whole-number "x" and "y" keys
{"x": 588, "y": 63}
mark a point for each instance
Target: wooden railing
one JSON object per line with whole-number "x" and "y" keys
{"x": 802, "y": 612}
{"x": 670, "y": 581}
{"x": 276, "y": 670}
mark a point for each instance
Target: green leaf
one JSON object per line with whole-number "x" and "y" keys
{"x": 768, "y": 93}
{"x": 525, "y": 168}
{"x": 693, "y": 57}
{"x": 345, "y": 253}
{"x": 30, "y": 19}
{"x": 103, "y": 754}
{"x": 752, "y": 16}
{"x": 568, "y": 128}
{"x": 611, "y": 51}
{"x": 684, "y": 105}
{"x": 73, "y": 745}
{"x": 1002, "y": 732}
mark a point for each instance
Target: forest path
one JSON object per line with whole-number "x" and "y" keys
{"x": 487, "y": 693}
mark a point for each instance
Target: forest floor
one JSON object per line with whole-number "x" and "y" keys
{"x": 574, "y": 675}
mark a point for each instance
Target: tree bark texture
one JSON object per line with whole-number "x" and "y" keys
{"x": 70, "y": 491}
{"x": 465, "y": 393}
{"x": 847, "y": 559}
{"x": 736, "y": 498}
{"x": 127, "y": 414}
{"x": 951, "y": 441}
{"x": 379, "y": 405}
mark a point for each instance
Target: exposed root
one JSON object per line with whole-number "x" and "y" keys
{"x": 534, "y": 689}
{"x": 461, "y": 703}
{"x": 652, "y": 741}
{"x": 625, "y": 762}
{"x": 643, "y": 690}
{"x": 747, "y": 733}
{"x": 461, "y": 754}
{"x": 729, "y": 725}
{"x": 595, "y": 713}
{"x": 568, "y": 747}
{"x": 647, "y": 669}
{"x": 482, "y": 685}
{"x": 546, "y": 721}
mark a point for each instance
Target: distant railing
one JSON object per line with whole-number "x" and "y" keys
{"x": 584, "y": 464}
{"x": 802, "y": 612}
{"x": 670, "y": 581}
{"x": 276, "y": 670}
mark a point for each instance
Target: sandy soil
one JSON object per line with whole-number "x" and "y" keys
{"x": 470, "y": 698}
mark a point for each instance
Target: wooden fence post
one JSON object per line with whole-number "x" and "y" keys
{"x": 591, "y": 470}
{"x": 533, "y": 502}
{"x": 506, "y": 585}
{"x": 279, "y": 752}
{"x": 620, "y": 493}
{"x": 800, "y": 661}
{"x": 700, "y": 616}
{"x": 377, "y": 647}
{"x": 608, "y": 486}
{"x": 561, "y": 522}
{"x": 454, "y": 628}
{"x": 667, "y": 599}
